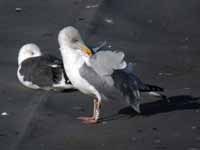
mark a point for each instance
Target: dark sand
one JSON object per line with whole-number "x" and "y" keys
{"x": 161, "y": 37}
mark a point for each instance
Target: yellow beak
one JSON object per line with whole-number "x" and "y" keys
{"x": 86, "y": 50}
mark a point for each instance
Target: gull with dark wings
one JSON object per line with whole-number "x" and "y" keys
{"x": 104, "y": 75}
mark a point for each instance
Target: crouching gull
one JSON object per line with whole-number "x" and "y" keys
{"x": 41, "y": 71}
{"x": 104, "y": 75}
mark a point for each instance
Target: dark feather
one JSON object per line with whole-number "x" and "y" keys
{"x": 43, "y": 71}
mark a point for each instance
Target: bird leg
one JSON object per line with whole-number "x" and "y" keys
{"x": 96, "y": 113}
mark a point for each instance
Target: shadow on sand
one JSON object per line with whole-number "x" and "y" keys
{"x": 180, "y": 102}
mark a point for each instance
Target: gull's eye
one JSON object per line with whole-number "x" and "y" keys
{"x": 74, "y": 40}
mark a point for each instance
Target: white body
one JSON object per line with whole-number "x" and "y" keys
{"x": 72, "y": 63}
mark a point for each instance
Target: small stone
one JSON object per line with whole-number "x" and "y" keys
{"x": 109, "y": 46}
{"x": 194, "y": 127}
{"x": 168, "y": 74}
{"x": 165, "y": 74}
{"x": 186, "y": 38}
{"x": 81, "y": 19}
{"x": 92, "y": 6}
{"x": 155, "y": 129}
{"x": 16, "y": 132}
{"x": 150, "y": 21}
{"x": 104, "y": 122}
{"x": 4, "y": 113}
{"x": 18, "y": 9}
{"x": 108, "y": 20}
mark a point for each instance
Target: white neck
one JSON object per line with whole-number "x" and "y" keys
{"x": 72, "y": 57}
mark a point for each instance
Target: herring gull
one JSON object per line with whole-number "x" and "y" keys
{"x": 104, "y": 75}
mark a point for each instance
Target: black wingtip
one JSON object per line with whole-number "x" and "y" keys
{"x": 154, "y": 88}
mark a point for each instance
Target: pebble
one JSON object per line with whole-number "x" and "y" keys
{"x": 165, "y": 74}
{"x": 4, "y": 113}
{"x": 18, "y": 9}
{"x": 186, "y": 38}
{"x": 92, "y": 6}
{"x": 109, "y": 46}
{"x": 16, "y": 132}
{"x": 81, "y": 18}
{"x": 155, "y": 129}
{"x": 194, "y": 127}
{"x": 104, "y": 122}
{"x": 150, "y": 21}
{"x": 108, "y": 20}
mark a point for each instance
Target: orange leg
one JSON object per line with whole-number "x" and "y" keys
{"x": 95, "y": 116}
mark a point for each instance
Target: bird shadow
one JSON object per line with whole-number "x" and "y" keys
{"x": 180, "y": 102}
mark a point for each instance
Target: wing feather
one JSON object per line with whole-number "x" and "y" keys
{"x": 105, "y": 62}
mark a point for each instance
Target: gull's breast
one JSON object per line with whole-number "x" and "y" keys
{"x": 72, "y": 71}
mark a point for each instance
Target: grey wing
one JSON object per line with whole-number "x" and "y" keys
{"x": 122, "y": 87}
{"x": 42, "y": 71}
{"x": 100, "y": 83}
{"x": 105, "y": 62}
{"x": 35, "y": 72}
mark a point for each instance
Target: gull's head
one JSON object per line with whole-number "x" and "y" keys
{"x": 70, "y": 38}
{"x": 28, "y": 51}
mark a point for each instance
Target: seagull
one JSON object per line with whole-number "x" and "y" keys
{"x": 41, "y": 71}
{"x": 104, "y": 75}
